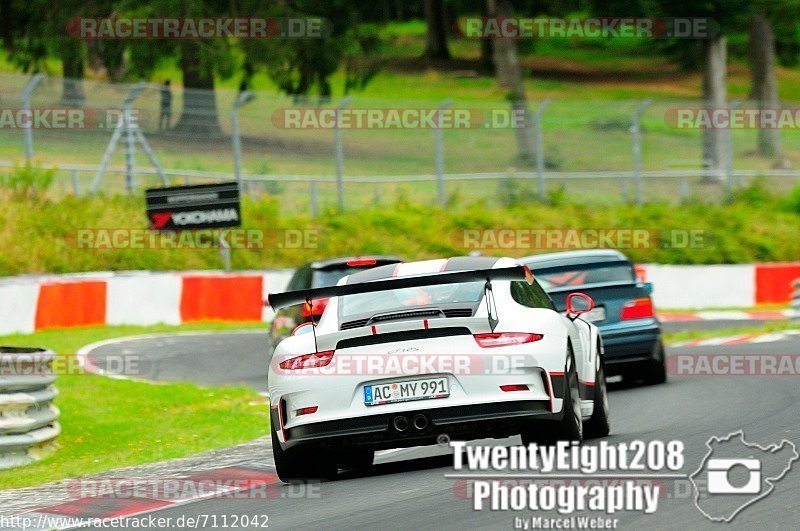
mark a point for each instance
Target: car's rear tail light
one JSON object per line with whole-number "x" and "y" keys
{"x": 637, "y": 309}
{"x": 516, "y": 387}
{"x": 308, "y": 361}
{"x": 307, "y": 410}
{"x": 505, "y": 339}
{"x": 314, "y": 309}
{"x": 361, "y": 262}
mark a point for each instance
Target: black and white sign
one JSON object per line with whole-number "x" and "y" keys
{"x": 204, "y": 206}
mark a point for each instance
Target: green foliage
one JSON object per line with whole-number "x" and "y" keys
{"x": 27, "y": 181}
{"x": 753, "y": 227}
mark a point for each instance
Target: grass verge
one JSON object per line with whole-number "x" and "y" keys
{"x": 109, "y": 423}
{"x": 690, "y": 335}
{"x": 756, "y": 225}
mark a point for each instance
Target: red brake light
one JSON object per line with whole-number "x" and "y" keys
{"x": 637, "y": 309}
{"x": 316, "y": 308}
{"x": 361, "y": 262}
{"x": 307, "y": 410}
{"x": 516, "y": 387}
{"x": 308, "y": 361}
{"x": 505, "y": 339}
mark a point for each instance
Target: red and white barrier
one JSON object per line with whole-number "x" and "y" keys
{"x": 719, "y": 286}
{"x": 28, "y": 304}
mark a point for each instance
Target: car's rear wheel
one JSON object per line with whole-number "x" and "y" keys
{"x": 657, "y": 369}
{"x": 598, "y": 424}
{"x": 301, "y": 463}
{"x": 570, "y": 427}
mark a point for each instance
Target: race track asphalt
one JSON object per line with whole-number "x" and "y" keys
{"x": 407, "y": 489}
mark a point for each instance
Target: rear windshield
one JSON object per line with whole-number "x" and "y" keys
{"x": 403, "y": 299}
{"x": 331, "y": 275}
{"x": 579, "y": 276}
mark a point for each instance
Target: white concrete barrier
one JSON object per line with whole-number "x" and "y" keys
{"x": 711, "y": 286}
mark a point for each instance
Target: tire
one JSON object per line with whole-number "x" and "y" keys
{"x": 570, "y": 427}
{"x": 598, "y": 424}
{"x": 298, "y": 465}
{"x": 357, "y": 458}
{"x": 657, "y": 369}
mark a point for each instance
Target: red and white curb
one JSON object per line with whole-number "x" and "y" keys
{"x": 88, "y": 510}
{"x": 727, "y": 315}
{"x": 739, "y": 339}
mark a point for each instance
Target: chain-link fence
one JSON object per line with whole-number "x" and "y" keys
{"x": 359, "y": 151}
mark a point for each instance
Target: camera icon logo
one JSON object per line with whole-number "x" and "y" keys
{"x": 735, "y": 474}
{"x": 719, "y": 481}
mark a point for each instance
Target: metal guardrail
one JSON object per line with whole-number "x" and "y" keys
{"x": 796, "y": 299}
{"x": 28, "y": 417}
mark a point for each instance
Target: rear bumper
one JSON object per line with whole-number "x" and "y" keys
{"x": 500, "y": 419}
{"x": 631, "y": 342}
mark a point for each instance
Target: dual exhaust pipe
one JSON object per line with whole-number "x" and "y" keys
{"x": 401, "y": 423}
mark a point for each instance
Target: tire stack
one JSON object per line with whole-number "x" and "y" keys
{"x": 28, "y": 426}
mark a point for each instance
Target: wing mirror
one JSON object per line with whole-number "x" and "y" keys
{"x": 578, "y": 303}
{"x": 303, "y": 328}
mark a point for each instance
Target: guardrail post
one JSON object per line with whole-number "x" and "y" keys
{"x": 439, "y": 152}
{"x": 28, "y": 418}
{"x": 636, "y": 136}
{"x": 26, "y": 104}
{"x": 684, "y": 189}
{"x": 314, "y": 199}
{"x": 539, "y": 147}
{"x": 729, "y": 152}
{"x": 243, "y": 98}
{"x": 75, "y": 185}
{"x": 338, "y": 150}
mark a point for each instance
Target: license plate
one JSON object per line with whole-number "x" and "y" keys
{"x": 595, "y": 314}
{"x": 405, "y": 391}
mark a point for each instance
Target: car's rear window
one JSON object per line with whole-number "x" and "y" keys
{"x": 329, "y": 276}
{"x": 580, "y": 276}
{"x": 406, "y": 298}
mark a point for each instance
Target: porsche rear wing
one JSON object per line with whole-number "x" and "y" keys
{"x": 289, "y": 298}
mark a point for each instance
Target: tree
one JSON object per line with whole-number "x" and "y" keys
{"x": 715, "y": 94}
{"x": 764, "y": 89}
{"x": 509, "y": 76}
{"x": 300, "y": 67}
{"x": 436, "y": 33}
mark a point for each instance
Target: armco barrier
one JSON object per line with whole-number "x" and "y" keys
{"x": 28, "y": 426}
{"x": 31, "y": 303}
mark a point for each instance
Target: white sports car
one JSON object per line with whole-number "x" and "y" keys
{"x": 404, "y": 354}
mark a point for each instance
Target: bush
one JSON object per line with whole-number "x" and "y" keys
{"x": 28, "y": 181}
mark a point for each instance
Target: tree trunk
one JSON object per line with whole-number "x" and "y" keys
{"x": 509, "y": 75}
{"x": 764, "y": 82}
{"x": 71, "y": 52}
{"x": 715, "y": 97}
{"x": 199, "y": 115}
{"x": 486, "y": 62}
{"x": 436, "y": 34}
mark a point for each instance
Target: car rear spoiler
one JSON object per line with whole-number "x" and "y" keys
{"x": 289, "y": 298}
